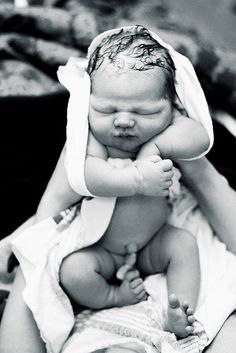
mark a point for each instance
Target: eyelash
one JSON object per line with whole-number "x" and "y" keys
{"x": 114, "y": 111}
{"x": 106, "y": 113}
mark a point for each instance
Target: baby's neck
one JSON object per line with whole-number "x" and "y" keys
{"x": 117, "y": 153}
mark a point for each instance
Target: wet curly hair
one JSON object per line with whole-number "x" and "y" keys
{"x": 146, "y": 54}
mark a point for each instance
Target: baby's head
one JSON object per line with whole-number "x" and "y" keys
{"x": 134, "y": 50}
{"x": 133, "y": 89}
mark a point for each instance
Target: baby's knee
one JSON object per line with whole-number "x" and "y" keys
{"x": 75, "y": 269}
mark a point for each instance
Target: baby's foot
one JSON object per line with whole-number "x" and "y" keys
{"x": 180, "y": 317}
{"x": 131, "y": 290}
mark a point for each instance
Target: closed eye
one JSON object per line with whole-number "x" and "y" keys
{"x": 145, "y": 112}
{"x": 105, "y": 111}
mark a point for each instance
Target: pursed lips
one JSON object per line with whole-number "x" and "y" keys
{"x": 127, "y": 134}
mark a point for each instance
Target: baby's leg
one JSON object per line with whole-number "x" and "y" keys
{"x": 19, "y": 333}
{"x": 175, "y": 252}
{"x": 85, "y": 276}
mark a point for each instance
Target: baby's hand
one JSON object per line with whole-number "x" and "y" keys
{"x": 154, "y": 176}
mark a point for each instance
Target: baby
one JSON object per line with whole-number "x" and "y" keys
{"x": 135, "y": 120}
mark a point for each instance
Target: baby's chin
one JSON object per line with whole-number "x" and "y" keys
{"x": 127, "y": 144}
{"x": 119, "y": 150}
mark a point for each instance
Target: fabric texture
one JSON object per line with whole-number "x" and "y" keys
{"x": 41, "y": 260}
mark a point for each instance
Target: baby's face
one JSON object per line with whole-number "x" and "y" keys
{"x": 128, "y": 108}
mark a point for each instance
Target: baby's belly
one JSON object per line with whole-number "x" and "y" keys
{"x": 135, "y": 219}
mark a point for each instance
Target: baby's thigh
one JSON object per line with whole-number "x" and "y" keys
{"x": 156, "y": 255}
{"x": 84, "y": 262}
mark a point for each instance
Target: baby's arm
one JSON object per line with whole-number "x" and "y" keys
{"x": 150, "y": 176}
{"x": 185, "y": 138}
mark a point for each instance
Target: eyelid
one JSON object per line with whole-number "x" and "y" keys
{"x": 104, "y": 111}
{"x": 113, "y": 111}
{"x": 146, "y": 113}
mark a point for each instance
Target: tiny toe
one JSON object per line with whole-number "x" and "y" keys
{"x": 136, "y": 283}
{"x": 174, "y": 301}
{"x": 189, "y": 329}
{"x": 191, "y": 319}
{"x": 138, "y": 289}
{"x": 130, "y": 259}
{"x": 142, "y": 295}
{"x": 121, "y": 274}
{"x": 131, "y": 275}
{"x": 190, "y": 311}
{"x": 185, "y": 305}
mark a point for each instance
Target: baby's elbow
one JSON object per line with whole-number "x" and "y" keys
{"x": 204, "y": 140}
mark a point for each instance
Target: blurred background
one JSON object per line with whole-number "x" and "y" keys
{"x": 37, "y": 36}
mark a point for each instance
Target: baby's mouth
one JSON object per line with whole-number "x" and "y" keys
{"x": 124, "y": 134}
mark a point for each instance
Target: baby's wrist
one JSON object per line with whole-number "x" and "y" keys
{"x": 138, "y": 178}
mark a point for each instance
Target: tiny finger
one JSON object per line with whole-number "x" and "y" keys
{"x": 169, "y": 174}
{"x": 168, "y": 183}
{"x": 154, "y": 158}
{"x": 165, "y": 192}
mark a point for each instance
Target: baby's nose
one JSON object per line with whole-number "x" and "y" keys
{"x": 123, "y": 120}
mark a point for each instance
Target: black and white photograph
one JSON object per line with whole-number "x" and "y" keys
{"x": 118, "y": 176}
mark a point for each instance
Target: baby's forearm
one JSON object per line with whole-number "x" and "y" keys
{"x": 103, "y": 179}
{"x": 148, "y": 177}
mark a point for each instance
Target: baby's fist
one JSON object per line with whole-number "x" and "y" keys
{"x": 154, "y": 176}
